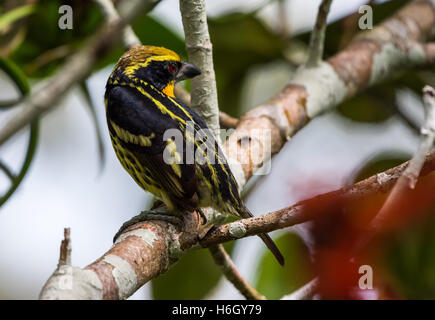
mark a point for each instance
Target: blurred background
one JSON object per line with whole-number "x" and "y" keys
{"x": 75, "y": 180}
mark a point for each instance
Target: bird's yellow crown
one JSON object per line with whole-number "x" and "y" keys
{"x": 141, "y": 56}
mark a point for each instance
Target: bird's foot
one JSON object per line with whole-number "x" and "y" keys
{"x": 156, "y": 214}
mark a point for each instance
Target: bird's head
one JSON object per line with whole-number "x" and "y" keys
{"x": 158, "y": 66}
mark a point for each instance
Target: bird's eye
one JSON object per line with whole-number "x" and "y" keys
{"x": 172, "y": 67}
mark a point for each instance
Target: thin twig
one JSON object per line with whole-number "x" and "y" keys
{"x": 317, "y": 40}
{"x": 427, "y": 136}
{"x": 223, "y": 260}
{"x": 304, "y": 293}
{"x": 129, "y": 38}
{"x": 413, "y": 125}
{"x": 410, "y": 175}
{"x": 65, "y": 248}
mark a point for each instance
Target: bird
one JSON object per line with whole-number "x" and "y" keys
{"x": 141, "y": 109}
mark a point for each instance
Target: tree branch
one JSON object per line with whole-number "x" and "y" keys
{"x": 304, "y": 293}
{"x": 300, "y": 212}
{"x": 65, "y": 248}
{"x": 226, "y": 121}
{"x": 317, "y": 40}
{"x": 200, "y": 53}
{"x": 129, "y": 38}
{"x": 223, "y": 260}
{"x": 409, "y": 177}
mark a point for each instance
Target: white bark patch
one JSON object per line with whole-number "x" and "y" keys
{"x": 392, "y": 58}
{"x": 124, "y": 275}
{"x": 146, "y": 235}
{"x": 72, "y": 283}
{"x": 382, "y": 177}
{"x": 237, "y": 229}
{"x": 325, "y": 88}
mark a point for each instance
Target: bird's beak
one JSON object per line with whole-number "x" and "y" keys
{"x": 187, "y": 71}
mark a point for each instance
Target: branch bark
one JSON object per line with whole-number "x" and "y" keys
{"x": 317, "y": 40}
{"x": 304, "y": 293}
{"x": 200, "y": 53}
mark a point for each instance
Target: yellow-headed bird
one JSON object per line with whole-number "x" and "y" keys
{"x": 141, "y": 108}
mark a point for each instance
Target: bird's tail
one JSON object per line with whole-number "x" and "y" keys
{"x": 245, "y": 213}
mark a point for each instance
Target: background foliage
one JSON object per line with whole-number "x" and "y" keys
{"x": 31, "y": 48}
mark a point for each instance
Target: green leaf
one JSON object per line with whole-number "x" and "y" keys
{"x": 275, "y": 281}
{"x": 44, "y": 34}
{"x": 45, "y": 38}
{"x": 15, "y": 74}
{"x": 93, "y": 113}
{"x": 18, "y": 77}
